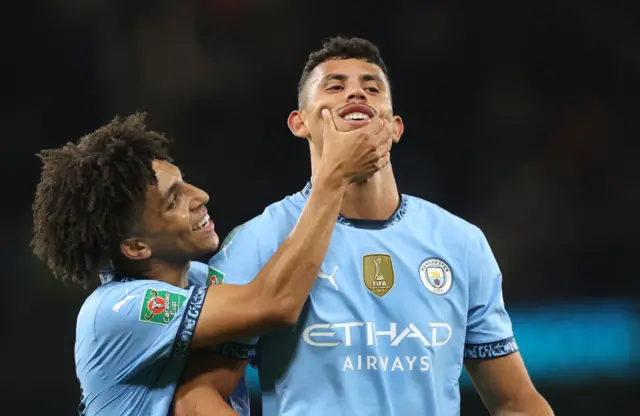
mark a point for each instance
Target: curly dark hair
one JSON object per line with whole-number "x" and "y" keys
{"x": 91, "y": 194}
{"x": 340, "y": 47}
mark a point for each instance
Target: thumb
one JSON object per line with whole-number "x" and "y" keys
{"x": 327, "y": 120}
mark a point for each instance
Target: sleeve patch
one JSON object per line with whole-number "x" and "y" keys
{"x": 188, "y": 325}
{"x": 491, "y": 350}
{"x": 214, "y": 277}
{"x": 160, "y": 306}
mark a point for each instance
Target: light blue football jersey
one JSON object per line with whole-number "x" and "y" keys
{"x": 396, "y": 307}
{"x": 132, "y": 342}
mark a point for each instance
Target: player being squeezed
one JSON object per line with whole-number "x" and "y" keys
{"x": 408, "y": 293}
{"x": 114, "y": 200}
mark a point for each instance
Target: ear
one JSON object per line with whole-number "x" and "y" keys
{"x": 397, "y": 127}
{"x": 297, "y": 126}
{"x": 135, "y": 249}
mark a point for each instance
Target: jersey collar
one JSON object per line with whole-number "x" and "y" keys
{"x": 368, "y": 224}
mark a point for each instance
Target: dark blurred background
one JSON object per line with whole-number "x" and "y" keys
{"x": 520, "y": 117}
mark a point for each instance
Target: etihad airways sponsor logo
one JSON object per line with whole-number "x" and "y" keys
{"x": 359, "y": 339}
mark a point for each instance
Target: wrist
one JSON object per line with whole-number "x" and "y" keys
{"x": 330, "y": 179}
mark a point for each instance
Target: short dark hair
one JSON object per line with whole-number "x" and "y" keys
{"x": 91, "y": 194}
{"x": 342, "y": 48}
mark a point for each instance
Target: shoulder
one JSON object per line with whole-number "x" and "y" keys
{"x": 247, "y": 247}
{"x": 285, "y": 211}
{"x": 439, "y": 218}
{"x": 102, "y": 298}
{"x": 276, "y": 218}
{"x": 449, "y": 234}
{"x": 453, "y": 236}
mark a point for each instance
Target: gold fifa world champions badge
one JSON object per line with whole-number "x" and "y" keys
{"x": 377, "y": 272}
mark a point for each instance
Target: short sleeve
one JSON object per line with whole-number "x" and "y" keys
{"x": 489, "y": 332}
{"x": 138, "y": 323}
{"x": 238, "y": 262}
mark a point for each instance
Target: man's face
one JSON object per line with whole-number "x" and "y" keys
{"x": 352, "y": 89}
{"x": 175, "y": 223}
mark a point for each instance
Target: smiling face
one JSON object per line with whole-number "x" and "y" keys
{"x": 175, "y": 225}
{"x": 353, "y": 90}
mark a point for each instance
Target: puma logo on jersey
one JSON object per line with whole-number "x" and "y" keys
{"x": 330, "y": 277}
{"x": 120, "y": 304}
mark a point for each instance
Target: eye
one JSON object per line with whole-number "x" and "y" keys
{"x": 335, "y": 88}
{"x": 174, "y": 202}
{"x": 372, "y": 90}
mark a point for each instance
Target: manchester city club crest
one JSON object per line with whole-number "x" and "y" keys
{"x": 436, "y": 276}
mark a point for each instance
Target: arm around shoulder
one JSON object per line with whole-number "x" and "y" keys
{"x": 275, "y": 297}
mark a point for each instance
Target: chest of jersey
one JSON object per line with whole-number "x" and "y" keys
{"x": 388, "y": 289}
{"x": 384, "y": 300}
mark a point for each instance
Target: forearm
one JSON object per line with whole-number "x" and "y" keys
{"x": 531, "y": 404}
{"x": 201, "y": 401}
{"x": 276, "y": 295}
{"x": 207, "y": 382}
{"x": 505, "y": 387}
{"x": 289, "y": 275}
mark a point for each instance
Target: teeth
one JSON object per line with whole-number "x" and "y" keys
{"x": 202, "y": 222}
{"x": 356, "y": 116}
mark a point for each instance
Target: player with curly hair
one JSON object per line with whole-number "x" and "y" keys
{"x": 113, "y": 206}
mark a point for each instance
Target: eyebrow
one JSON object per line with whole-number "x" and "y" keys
{"x": 174, "y": 186}
{"x": 343, "y": 77}
{"x": 370, "y": 77}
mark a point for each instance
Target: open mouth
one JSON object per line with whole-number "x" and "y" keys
{"x": 205, "y": 224}
{"x": 357, "y": 113}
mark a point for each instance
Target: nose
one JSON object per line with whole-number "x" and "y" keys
{"x": 200, "y": 198}
{"x": 356, "y": 93}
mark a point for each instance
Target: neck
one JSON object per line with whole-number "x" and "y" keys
{"x": 375, "y": 198}
{"x": 173, "y": 274}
